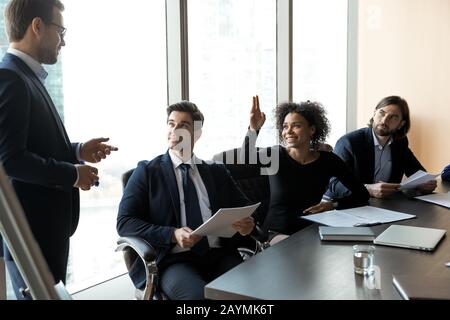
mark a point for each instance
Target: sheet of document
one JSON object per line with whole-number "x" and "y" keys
{"x": 220, "y": 224}
{"x": 361, "y": 216}
{"x": 442, "y": 199}
{"x": 417, "y": 178}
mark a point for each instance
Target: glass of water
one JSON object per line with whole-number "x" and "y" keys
{"x": 363, "y": 259}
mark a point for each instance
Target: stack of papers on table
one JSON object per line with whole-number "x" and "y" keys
{"x": 357, "y": 217}
{"x": 442, "y": 199}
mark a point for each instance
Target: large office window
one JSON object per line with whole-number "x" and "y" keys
{"x": 114, "y": 85}
{"x": 3, "y": 37}
{"x": 232, "y": 56}
{"x": 320, "y": 57}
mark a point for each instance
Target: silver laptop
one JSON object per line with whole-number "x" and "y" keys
{"x": 410, "y": 237}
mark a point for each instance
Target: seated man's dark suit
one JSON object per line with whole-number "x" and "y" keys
{"x": 357, "y": 150}
{"x": 39, "y": 159}
{"x": 150, "y": 209}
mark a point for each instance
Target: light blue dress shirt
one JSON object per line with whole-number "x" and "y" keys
{"x": 383, "y": 160}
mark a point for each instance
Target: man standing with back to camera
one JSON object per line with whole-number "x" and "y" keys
{"x": 45, "y": 168}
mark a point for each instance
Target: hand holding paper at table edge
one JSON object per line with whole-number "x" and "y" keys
{"x": 220, "y": 224}
{"x": 417, "y": 179}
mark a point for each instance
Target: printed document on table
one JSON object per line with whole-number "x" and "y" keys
{"x": 361, "y": 216}
{"x": 417, "y": 178}
{"x": 220, "y": 224}
{"x": 442, "y": 199}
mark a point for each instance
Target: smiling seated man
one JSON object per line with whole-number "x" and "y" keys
{"x": 169, "y": 197}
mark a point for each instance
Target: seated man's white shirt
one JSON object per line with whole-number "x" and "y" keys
{"x": 202, "y": 195}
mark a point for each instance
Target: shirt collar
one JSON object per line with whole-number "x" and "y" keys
{"x": 377, "y": 143}
{"x": 35, "y": 66}
{"x": 177, "y": 161}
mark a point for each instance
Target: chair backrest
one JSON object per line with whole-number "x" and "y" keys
{"x": 249, "y": 179}
{"x": 125, "y": 177}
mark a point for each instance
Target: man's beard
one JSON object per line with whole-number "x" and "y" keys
{"x": 48, "y": 56}
{"x": 384, "y": 131}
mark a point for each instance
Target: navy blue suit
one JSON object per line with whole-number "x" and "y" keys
{"x": 446, "y": 173}
{"x": 150, "y": 206}
{"x": 39, "y": 159}
{"x": 357, "y": 150}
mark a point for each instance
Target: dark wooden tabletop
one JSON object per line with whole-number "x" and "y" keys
{"x": 304, "y": 267}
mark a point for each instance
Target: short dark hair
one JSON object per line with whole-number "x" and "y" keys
{"x": 404, "y": 109}
{"x": 313, "y": 112}
{"x": 189, "y": 107}
{"x": 20, "y": 13}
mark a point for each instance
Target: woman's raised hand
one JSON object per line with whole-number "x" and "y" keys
{"x": 257, "y": 117}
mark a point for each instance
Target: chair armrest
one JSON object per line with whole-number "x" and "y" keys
{"x": 133, "y": 247}
{"x": 145, "y": 250}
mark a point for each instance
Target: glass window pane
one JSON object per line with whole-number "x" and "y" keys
{"x": 232, "y": 56}
{"x": 320, "y": 58}
{"x": 114, "y": 80}
{"x": 3, "y": 38}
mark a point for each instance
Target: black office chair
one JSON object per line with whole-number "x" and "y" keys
{"x": 257, "y": 189}
{"x": 135, "y": 248}
{"x": 254, "y": 186}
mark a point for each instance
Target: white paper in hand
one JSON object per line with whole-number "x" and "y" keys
{"x": 416, "y": 179}
{"x": 220, "y": 223}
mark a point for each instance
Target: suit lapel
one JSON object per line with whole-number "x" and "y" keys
{"x": 369, "y": 151}
{"x": 52, "y": 107}
{"x": 171, "y": 184}
{"x": 395, "y": 157}
{"x": 43, "y": 91}
{"x": 210, "y": 186}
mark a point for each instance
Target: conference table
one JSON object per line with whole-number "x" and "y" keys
{"x": 304, "y": 267}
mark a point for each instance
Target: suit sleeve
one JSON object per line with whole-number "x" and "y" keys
{"x": 344, "y": 151}
{"x": 135, "y": 213}
{"x": 446, "y": 173}
{"x": 359, "y": 196}
{"x": 411, "y": 164}
{"x": 20, "y": 163}
{"x": 75, "y": 151}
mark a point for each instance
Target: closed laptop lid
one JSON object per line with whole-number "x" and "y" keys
{"x": 410, "y": 237}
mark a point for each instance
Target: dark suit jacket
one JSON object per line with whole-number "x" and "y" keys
{"x": 150, "y": 206}
{"x": 39, "y": 158}
{"x": 446, "y": 173}
{"x": 357, "y": 150}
